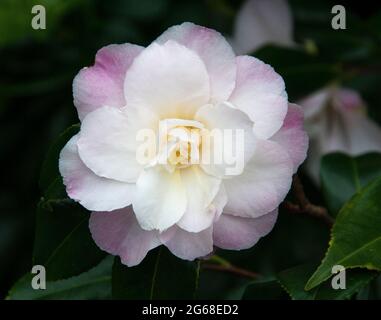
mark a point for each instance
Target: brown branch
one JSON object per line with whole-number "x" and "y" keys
{"x": 232, "y": 269}
{"x": 304, "y": 206}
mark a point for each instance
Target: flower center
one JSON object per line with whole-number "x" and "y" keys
{"x": 179, "y": 143}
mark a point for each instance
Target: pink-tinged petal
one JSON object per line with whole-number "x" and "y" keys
{"x": 91, "y": 191}
{"x": 262, "y": 22}
{"x": 102, "y": 84}
{"x": 107, "y": 144}
{"x": 292, "y": 135}
{"x": 201, "y": 189}
{"x": 188, "y": 245}
{"x": 169, "y": 80}
{"x": 264, "y": 183}
{"x": 260, "y": 93}
{"x": 119, "y": 233}
{"x": 237, "y": 233}
{"x": 348, "y": 100}
{"x": 161, "y": 198}
{"x": 215, "y": 52}
{"x": 232, "y": 142}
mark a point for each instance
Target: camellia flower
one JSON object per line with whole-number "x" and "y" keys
{"x": 336, "y": 120}
{"x": 187, "y": 81}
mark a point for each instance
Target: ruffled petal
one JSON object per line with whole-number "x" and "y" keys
{"x": 161, "y": 198}
{"x": 188, "y": 245}
{"x": 102, "y": 84}
{"x": 201, "y": 190}
{"x": 215, "y": 52}
{"x": 292, "y": 135}
{"x": 119, "y": 233}
{"x": 91, "y": 191}
{"x": 264, "y": 183}
{"x": 236, "y": 233}
{"x": 260, "y": 93}
{"x": 231, "y": 143}
{"x": 168, "y": 79}
{"x": 107, "y": 144}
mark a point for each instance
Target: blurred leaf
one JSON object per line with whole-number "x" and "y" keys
{"x": 356, "y": 235}
{"x": 142, "y": 9}
{"x": 294, "y": 280}
{"x": 263, "y": 290}
{"x": 303, "y": 73}
{"x": 342, "y": 176}
{"x": 160, "y": 275}
{"x": 50, "y": 178}
{"x": 313, "y": 23}
{"x": 93, "y": 284}
{"x": 16, "y": 17}
{"x": 63, "y": 243}
{"x": 374, "y": 24}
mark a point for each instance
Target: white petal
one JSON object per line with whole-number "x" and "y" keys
{"x": 107, "y": 144}
{"x": 91, "y": 191}
{"x": 264, "y": 183}
{"x": 214, "y": 51}
{"x": 226, "y": 156}
{"x": 161, "y": 198}
{"x": 260, "y": 93}
{"x": 261, "y": 22}
{"x": 201, "y": 190}
{"x": 168, "y": 79}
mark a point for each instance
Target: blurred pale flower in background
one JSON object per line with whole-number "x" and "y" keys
{"x": 335, "y": 117}
{"x": 262, "y": 22}
{"x": 337, "y": 121}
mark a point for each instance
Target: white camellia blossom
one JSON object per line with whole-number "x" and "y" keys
{"x": 188, "y": 82}
{"x": 337, "y": 122}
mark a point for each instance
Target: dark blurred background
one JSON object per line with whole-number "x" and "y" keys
{"x": 36, "y": 72}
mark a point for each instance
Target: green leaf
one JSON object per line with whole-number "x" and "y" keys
{"x": 93, "y": 284}
{"x": 160, "y": 275}
{"x": 342, "y": 176}
{"x": 63, "y": 243}
{"x": 293, "y": 280}
{"x": 356, "y": 235}
{"x": 263, "y": 290}
{"x": 294, "y": 66}
{"x": 50, "y": 178}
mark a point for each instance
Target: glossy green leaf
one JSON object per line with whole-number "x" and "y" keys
{"x": 93, "y": 284}
{"x": 63, "y": 243}
{"x": 293, "y": 280}
{"x": 160, "y": 275}
{"x": 342, "y": 176}
{"x": 356, "y": 235}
